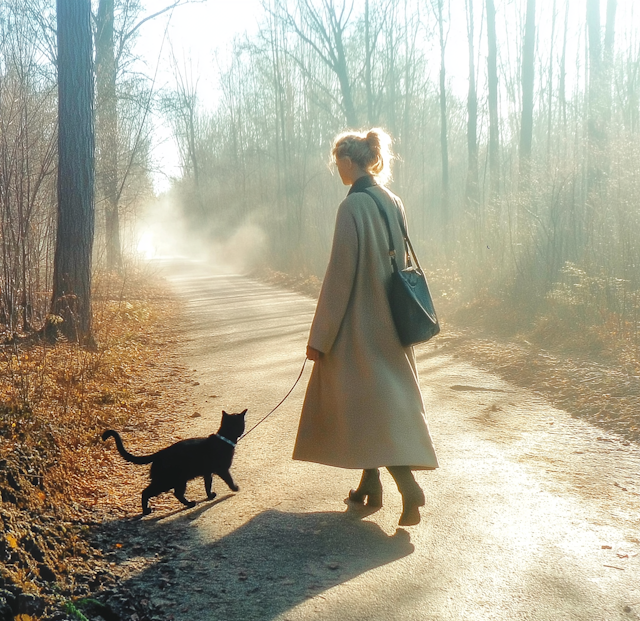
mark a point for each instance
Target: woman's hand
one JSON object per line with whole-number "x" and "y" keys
{"x": 313, "y": 354}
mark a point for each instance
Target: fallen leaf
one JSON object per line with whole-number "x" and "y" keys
{"x": 12, "y": 541}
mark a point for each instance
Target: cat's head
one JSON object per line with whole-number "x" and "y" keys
{"x": 232, "y": 425}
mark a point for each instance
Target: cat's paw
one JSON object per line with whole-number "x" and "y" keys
{"x": 234, "y": 488}
{"x": 211, "y": 495}
{"x": 191, "y": 504}
{"x": 146, "y": 511}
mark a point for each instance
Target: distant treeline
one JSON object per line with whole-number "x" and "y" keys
{"x": 517, "y": 125}
{"x": 524, "y": 186}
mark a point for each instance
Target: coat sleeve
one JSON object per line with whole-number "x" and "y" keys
{"x": 338, "y": 282}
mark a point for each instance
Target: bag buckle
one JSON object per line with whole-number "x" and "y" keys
{"x": 392, "y": 254}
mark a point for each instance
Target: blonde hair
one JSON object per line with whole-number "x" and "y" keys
{"x": 370, "y": 150}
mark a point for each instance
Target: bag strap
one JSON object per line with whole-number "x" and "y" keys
{"x": 407, "y": 242}
{"x": 385, "y": 217}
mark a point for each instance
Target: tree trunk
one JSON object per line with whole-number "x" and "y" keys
{"x": 107, "y": 131}
{"x": 554, "y": 16}
{"x": 595, "y": 72}
{"x": 444, "y": 145}
{"x": 528, "y": 71}
{"x": 562, "y": 86}
{"x": 71, "y": 298}
{"x": 368, "y": 53}
{"x": 608, "y": 57}
{"x": 345, "y": 84}
{"x": 472, "y": 190}
{"x": 494, "y": 131}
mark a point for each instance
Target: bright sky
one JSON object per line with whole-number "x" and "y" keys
{"x": 198, "y": 34}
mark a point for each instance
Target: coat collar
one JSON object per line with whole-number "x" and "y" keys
{"x": 362, "y": 183}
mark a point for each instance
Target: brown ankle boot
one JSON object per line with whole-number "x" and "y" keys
{"x": 370, "y": 487}
{"x": 412, "y": 495}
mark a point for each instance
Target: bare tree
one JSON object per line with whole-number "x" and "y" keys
{"x": 27, "y": 167}
{"x": 494, "y": 129}
{"x": 562, "y": 88}
{"x": 444, "y": 144}
{"x": 113, "y": 51}
{"x": 324, "y": 30}
{"x": 181, "y": 107}
{"x": 472, "y": 186}
{"x": 599, "y": 95}
{"x": 528, "y": 73}
{"x": 608, "y": 55}
{"x": 107, "y": 129}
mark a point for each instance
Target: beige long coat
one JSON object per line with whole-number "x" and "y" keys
{"x": 363, "y": 407}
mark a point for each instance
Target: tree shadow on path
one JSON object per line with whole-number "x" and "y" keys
{"x": 267, "y": 566}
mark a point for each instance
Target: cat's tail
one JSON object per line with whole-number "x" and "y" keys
{"x": 134, "y": 459}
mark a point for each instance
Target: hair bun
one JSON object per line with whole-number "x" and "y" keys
{"x": 373, "y": 137}
{"x": 370, "y": 150}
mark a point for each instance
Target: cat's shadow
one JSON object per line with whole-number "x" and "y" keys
{"x": 182, "y": 513}
{"x": 269, "y": 565}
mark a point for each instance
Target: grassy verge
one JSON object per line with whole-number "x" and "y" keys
{"x": 56, "y": 477}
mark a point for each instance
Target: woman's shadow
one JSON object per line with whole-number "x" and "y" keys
{"x": 269, "y": 565}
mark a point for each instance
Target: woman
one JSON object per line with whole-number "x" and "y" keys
{"x": 363, "y": 407}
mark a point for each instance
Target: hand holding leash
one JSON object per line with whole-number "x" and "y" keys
{"x": 279, "y": 404}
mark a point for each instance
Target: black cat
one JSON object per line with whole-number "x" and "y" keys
{"x": 173, "y": 466}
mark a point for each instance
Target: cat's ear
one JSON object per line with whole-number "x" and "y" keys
{"x": 224, "y": 413}
{"x": 243, "y": 412}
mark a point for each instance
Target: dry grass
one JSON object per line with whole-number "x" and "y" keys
{"x": 56, "y": 401}
{"x": 591, "y": 371}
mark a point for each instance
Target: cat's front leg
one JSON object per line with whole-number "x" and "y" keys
{"x": 208, "y": 481}
{"x": 226, "y": 477}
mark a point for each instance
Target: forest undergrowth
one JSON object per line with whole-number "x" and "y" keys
{"x": 58, "y": 481}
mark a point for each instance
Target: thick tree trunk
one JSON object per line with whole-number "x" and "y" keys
{"x": 528, "y": 71}
{"x": 71, "y": 298}
{"x": 494, "y": 131}
{"x": 107, "y": 131}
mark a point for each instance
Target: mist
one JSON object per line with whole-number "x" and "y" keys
{"x": 520, "y": 188}
{"x": 163, "y": 233}
{"x": 516, "y": 126}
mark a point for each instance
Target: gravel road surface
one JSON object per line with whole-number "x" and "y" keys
{"x": 532, "y": 514}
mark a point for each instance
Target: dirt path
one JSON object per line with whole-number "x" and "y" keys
{"x": 532, "y": 515}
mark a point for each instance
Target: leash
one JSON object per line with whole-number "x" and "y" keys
{"x": 279, "y": 404}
